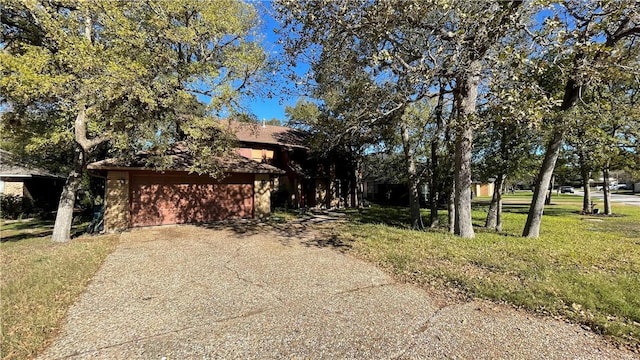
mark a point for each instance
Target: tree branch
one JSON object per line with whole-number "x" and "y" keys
{"x": 81, "y": 132}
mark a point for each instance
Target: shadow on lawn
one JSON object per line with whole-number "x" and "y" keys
{"x": 328, "y": 241}
{"x": 399, "y": 216}
{"x": 391, "y": 216}
{"x": 523, "y": 208}
{"x": 15, "y": 231}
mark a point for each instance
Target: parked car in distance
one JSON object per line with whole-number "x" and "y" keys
{"x": 614, "y": 187}
{"x": 620, "y": 187}
{"x": 566, "y": 189}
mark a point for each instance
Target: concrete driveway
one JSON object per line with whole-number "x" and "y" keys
{"x": 263, "y": 292}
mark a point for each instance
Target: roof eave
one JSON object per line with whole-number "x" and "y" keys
{"x": 15, "y": 176}
{"x": 30, "y": 176}
{"x": 124, "y": 168}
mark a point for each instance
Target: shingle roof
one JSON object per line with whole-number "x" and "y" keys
{"x": 267, "y": 134}
{"x": 182, "y": 160}
{"x": 12, "y": 167}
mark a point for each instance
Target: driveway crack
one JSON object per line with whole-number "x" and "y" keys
{"x": 421, "y": 329}
{"x": 362, "y": 288}
{"x": 228, "y": 267}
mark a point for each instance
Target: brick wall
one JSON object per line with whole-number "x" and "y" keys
{"x": 262, "y": 196}
{"x": 116, "y": 216}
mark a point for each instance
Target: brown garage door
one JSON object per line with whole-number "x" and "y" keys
{"x": 177, "y": 198}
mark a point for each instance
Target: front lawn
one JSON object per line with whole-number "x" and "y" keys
{"x": 584, "y": 268}
{"x": 40, "y": 280}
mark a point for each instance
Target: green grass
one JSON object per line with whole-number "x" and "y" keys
{"x": 585, "y": 268}
{"x": 40, "y": 280}
{"x": 283, "y": 215}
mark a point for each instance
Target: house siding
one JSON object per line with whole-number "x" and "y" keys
{"x": 483, "y": 189}
{"x": 259, "y": 154}
{"x": 13, "y": 188}
{"x": 116, "y": 215}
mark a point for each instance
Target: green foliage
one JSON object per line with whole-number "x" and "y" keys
{"x": 606, "y": 125}
{"x": 80, "y": 75}
{"x": 386, "y": 168}
{"x": 15, "y": 206}
{"x": 273, "y": 121}
{"x": 133, "y": 68}
{"x": 208, "y": 139}
{"x": 505, "y": 147}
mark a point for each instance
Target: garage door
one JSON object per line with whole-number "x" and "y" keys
{"x": 176, "y": 198}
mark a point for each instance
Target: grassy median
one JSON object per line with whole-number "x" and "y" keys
{"x": 584, "y": 268}
{"x": 40, "y": 280}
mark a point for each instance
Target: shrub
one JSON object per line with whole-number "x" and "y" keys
{"x": 15, "y": 206}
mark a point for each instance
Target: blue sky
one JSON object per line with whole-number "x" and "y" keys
{"x": 278, "y": 90}
{"x": 264, "y": 107}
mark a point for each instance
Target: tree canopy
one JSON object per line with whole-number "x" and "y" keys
{"x": 536, "y": 62}
{"x": 78, "y": 74}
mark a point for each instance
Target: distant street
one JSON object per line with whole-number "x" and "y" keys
{"x": 620, "y": 198}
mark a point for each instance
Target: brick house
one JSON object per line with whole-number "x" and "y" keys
{"x": 282, "y": 147}
{"x": 309, "y": 180}
{"x": 271, "y": 166}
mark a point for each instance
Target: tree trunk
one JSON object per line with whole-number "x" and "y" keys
{"x": 414, "y": 202}
{"x": 499, "y": 212}
{"x": 584, "y": 177}
{"x": 414, "y": 180}
{"x": 547, "y": 199}
{"x": 359, "y": 182}
{"x": 464, "y": 225}
{"x": 434, "y": 180}
{"x": 464, "y": 141}
{"x": 433, "y": 198}
{"x": 354, "y": 192}
{"x": 433, "y": 191}
{"x": 64, "y": 215}
{"x": 492, "y": 214}
{"x": 451, "y": 212}
{"x": 331, "y": 188}
{"x": 606, "y": 191}
{"x": 534, "y": 219}
{"x": 586, "y": 199}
